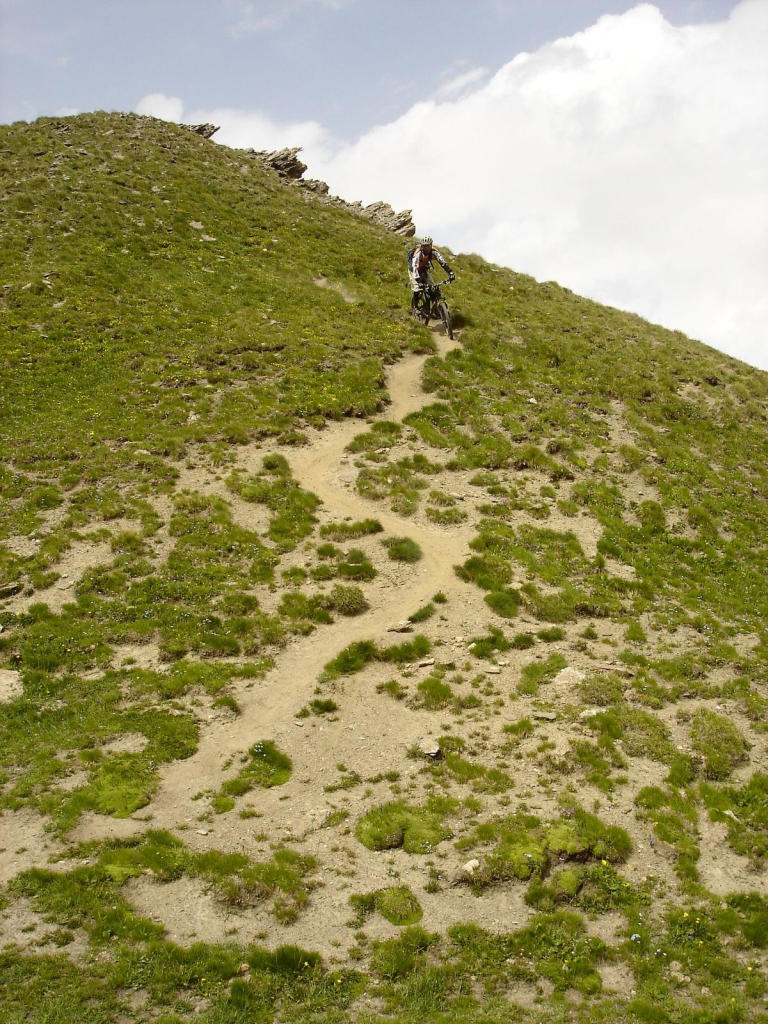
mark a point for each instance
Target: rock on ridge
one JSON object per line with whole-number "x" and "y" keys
{"x": 291, "y": 169}
{"x": 206, "y": 130}
{"x": 285, "y": 161}
{"x": 288, "y": 165}
{"x": 382, "y": 213}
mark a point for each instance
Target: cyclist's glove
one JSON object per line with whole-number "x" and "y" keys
{"x": 451, "y": 276}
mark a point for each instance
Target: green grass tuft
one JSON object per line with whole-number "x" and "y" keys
{"x": 267, "y": 767}
{"x": 719, "y": 742}
{"x": 403, "y": 549}
{"x": 397, "y": 824}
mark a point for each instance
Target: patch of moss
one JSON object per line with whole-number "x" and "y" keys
{"x": 719, "y": 741}
{"x": 398, "y": 824}
{"x": 266, "y": 767}
{"x": 397, "y": 904}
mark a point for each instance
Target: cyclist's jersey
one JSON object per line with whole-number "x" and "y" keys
{"x": 421, "y": 262}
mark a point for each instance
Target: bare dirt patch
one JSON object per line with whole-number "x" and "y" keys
{"x": 24, "y": 843}
{"x": 127, "y": 743}
{"x": 618, "y": 979}
{"x": 22, "y": 926}
{"x": 10, "y": 685}
{"x": 335, "y": 286}
{"x": 189, "y": 911}
{"x": 722, "y": 871}
{"x": 83, "y": 555}
{"x": 146, "y": 656}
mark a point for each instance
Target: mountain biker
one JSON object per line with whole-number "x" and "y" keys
{"x": 420, "y": 260}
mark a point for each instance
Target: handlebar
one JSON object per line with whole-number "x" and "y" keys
{"x": 436, "y": 284}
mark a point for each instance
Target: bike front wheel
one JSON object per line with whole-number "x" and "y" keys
{"x": 445, "y": 316}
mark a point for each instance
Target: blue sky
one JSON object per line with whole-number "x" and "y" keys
{"x": 348, "y": 64}
{"x": 615, "y": 147}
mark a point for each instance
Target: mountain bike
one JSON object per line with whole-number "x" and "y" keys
{"x": 431, "y": 305}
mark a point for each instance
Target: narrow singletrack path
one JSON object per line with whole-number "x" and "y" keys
{"x": 268, "y": 707}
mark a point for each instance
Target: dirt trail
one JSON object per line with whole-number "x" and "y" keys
{"x": 268, "y": 708}
{"x": 367, "y": 739}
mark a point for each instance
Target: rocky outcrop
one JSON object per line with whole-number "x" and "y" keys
{"x": 206, "y": 130}
{"x": 284, "y": 161}
{"x": 291, "y": 169}
{"x": 382, "y": 213}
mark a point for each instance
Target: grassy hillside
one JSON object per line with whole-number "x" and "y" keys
{"x": 231, "y": 466}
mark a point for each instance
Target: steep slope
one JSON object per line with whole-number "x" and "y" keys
{"x": 348, "y": 674}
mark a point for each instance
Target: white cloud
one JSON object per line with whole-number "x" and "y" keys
{"x": 628, "y": 162}
{"x": 157, "y": 104}
{"x": 460, "y": 83}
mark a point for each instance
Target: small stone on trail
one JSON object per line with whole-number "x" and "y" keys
{"x": 426, "y": 663}
{"x": 203, "y": 832}
{"x": 492, "y": 670}
{"x": 545, "y": 716}
{"x": 470, "y": 868}
{"x": 430, "y": 747}
{"x": 569, "y": 676}
{"x": 400, "y": 627}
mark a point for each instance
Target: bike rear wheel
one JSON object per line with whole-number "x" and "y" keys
{"x": 445, "y": 316}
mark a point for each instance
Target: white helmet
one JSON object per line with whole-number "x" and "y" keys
{"x": 427, "y": 240}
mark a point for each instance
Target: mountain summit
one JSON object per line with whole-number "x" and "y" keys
{"x": 349, "y": 673}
